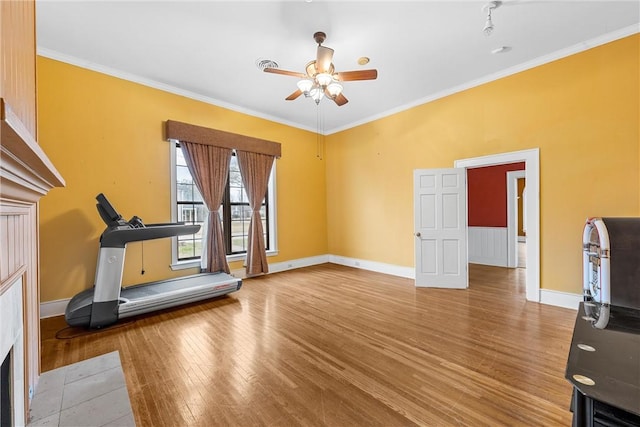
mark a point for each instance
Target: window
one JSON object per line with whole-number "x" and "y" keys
{"x": 188, "y": 207}
{"x": 236, "y": 213}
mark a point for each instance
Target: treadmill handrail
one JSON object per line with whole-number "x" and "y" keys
{"x": 118, "y": 237}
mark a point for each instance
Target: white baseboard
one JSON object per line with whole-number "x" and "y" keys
{"x": 560, "y": 299}
{"x": 557, "y": 298}
{"x": 53, "y": 308}
{"x": 379, "y": 267}
{"x": 298, "y": 263}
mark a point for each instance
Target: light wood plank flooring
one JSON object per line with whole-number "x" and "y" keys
{"x": 334, "y": 346}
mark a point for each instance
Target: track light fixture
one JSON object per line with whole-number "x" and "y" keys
{"x": 488, "y": 25}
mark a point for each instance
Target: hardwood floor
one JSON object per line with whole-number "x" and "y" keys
{"x": 334, "y": 346}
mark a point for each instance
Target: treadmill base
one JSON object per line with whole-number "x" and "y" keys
{"x": 148, "y": 297}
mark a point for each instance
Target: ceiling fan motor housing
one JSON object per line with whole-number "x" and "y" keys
{"x": 319, "y": 37}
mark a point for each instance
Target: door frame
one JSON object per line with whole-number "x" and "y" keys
{"x": 531, "y": 158}
{"x": 512, "y": 216}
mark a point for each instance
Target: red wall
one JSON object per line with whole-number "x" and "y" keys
{"x": 487, "y": 194}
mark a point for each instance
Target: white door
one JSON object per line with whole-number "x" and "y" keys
{"x": 440, "y": 218}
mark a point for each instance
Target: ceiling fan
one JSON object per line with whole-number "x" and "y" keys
{"x": 320, "y": 78}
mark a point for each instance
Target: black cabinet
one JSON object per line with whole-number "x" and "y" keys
{"x": 604, "y": 368}
{"x": 589, "y": 412}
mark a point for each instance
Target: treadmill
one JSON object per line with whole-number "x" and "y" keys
{"x": 107, "y": 301}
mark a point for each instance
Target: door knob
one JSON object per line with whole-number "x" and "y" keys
{"x": 418, "y": 234}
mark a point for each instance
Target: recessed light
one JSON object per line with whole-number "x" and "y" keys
{"x": 363, "y": 60}
{"x": 501, "y": 49}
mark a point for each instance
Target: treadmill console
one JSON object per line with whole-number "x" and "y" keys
{"x": 107, "y": 212}
{"x": 119, "y": 232}
{"x": 112, "y": 218}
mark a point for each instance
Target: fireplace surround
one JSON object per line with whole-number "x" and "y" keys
{"x": 12, "y": 349}
{"x": 26, "y": 174}
{"x": 6, "y": 404}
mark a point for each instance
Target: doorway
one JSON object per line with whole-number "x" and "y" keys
{"x": 516, "y": 220}
{"x": 532, "y": 210}
{"x": 522, "y": 227}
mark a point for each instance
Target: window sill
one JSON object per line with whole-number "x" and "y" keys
{"x": 184, "y": 265}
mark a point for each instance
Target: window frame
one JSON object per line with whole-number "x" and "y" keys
{"x": 195, "y": 262}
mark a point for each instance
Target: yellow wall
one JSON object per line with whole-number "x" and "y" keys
{"x": 106, "y": 135}
{"x": 581, "y": 111}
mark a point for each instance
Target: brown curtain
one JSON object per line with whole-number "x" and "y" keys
{"x": 209, "y": 167}
{"x": 255, "y": 169}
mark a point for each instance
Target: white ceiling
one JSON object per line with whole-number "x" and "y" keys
{"x": 422, "y": 49}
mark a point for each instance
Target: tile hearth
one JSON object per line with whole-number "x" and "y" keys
{"x": 88, "y": 393}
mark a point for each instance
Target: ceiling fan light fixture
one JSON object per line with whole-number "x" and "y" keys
{"x": 334, "y": 89}
{"x": 324, "y": 79}
{"x": 316, "y": 94}
{"x": 305, "y": 86}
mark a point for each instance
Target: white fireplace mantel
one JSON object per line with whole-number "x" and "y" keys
{"x": 26, "y": 174}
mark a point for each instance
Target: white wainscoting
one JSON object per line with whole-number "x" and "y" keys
{"x": 488, "y": 246}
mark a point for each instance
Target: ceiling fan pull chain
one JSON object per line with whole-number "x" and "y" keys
{"x": 319, "y": 133}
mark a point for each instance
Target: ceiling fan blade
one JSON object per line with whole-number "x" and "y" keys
{"x": 324, "y": 58}
{"x": 294, "y": 95}
{"x": 348, "y": 76}
{"x": 285, "y": 72}
{"x": 340, "y": 100}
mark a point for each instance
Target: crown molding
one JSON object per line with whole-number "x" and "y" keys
{"x": 541, "y": 60}
{"x": 78, "y": 62}
{"x": 559, "y": 54}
